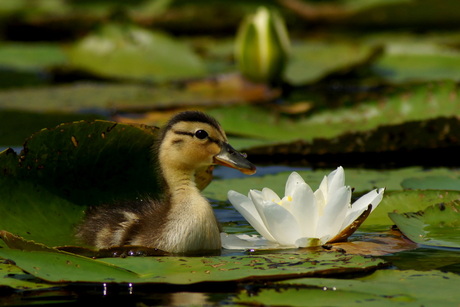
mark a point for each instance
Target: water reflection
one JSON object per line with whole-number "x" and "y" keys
{"x": 425, "y": 259}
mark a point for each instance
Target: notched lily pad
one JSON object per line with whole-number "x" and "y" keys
{"x": 82, "y": 161}
{"x": 437, "y": 225}
{"x": 406, "y": 201}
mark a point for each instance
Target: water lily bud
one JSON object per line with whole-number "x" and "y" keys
{"x": 262, "y": 46}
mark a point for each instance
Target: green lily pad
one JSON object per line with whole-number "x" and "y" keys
{"x": 30, "y": 56}
{"x": 130, "y": 52}
{"x": 432, "y": 182}
{"x": 406, "y": 201}
{"x": 57, "y": 266}
{"x": 382, "y": 288}
{"x": 88, "y": 97}
{"x": 83, "y": 156}
{"x": 437, "y": 225}
{"x": 17, "y": 125}
{"x": 15, "y": 278}
{"x": 410, "y": 57}
{"x": 312, "y": 60}
{"x": 30, "y": 210}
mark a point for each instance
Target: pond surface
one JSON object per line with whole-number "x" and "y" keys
{"x": 218, "y": 293}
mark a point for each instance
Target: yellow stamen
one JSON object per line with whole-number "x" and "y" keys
{"x": 288, "y": 198}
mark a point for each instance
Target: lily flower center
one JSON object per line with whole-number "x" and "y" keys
{"x": 286, "y": 198}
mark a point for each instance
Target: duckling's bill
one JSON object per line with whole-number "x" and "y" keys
{"x": 230, "y": 157}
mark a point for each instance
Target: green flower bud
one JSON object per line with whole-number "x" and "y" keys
{"x": 262, "y": 46}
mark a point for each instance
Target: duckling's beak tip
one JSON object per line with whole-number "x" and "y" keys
{"x": 250, "y": 171}
{"x": 231, "y": 158}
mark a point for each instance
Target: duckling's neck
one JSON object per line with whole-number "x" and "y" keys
{"x": 191, "y": 224}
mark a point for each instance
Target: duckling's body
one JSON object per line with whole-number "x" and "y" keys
{"x": 182, "y": 220}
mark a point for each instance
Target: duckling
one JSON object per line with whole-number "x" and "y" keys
{"x": 181, "y": 220}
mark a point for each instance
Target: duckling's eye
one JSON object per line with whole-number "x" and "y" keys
{"x": 201, "y": 134}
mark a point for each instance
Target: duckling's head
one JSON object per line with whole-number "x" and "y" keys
{"x": 192, "y": 140}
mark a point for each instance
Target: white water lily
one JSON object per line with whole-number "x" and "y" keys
{"x": 302, "y": 217}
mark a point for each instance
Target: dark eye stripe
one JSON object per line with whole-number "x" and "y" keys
{"x": 184, "y": 133}
{"x": 193, "y": 134}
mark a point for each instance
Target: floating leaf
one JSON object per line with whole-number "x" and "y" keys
{"x": 57, "y": 266}
{"x": 384, "y": 287}
{"x": 432, "y": 182}
{"x": 437, "y": 225}
{"x": 17, "y": 125}
{"x": 31, "y": 211}
{"x": 124, "y": 51}
{"x": 30, "y": 56}
{"x": 406, "y": 201}
{"x": 411, "y": 57}
{"x": 87, "y": 97}
{"x": 312, "y": 60}
{"x": 83, "y": 156}
{"x": 15, "y": 278}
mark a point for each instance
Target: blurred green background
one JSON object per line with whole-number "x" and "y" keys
{"x": 354, "y": 67}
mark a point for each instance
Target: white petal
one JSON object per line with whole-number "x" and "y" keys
{"x": 373, "y": 198}
{"x": 281, "y": 223}
{"x": 247, "y": 209}
{"x": 330, "y": 222}
{"x": 286, "y": 202}
{"x": 292, "y": 183}
{"x": 321, "y": 200}
{"x": 323, "y": 188}
{"x": 335, "y": 180}
{"x": 269, "y": 194}
{"x": 305, "y": 210}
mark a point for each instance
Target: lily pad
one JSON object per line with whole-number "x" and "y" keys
{"x": 83, "y": 156}
{"x": 432, "y": 182}
{"x": 105, "y": 98}
{"x": 130, "y": 52}
{"x": 410, "y": 57}
{"x": 384, "y": 287}
{"x": 17, "y": 125}
{"x": 437, "y": 225}
{"x": 30, "y": 56}
{"x": 30, "y": 210}
{"x": 58, "y": 266}
{"x": 406, "y": 201}
{"x": 15, "y": 278}
{"x": 312, "y": 60}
